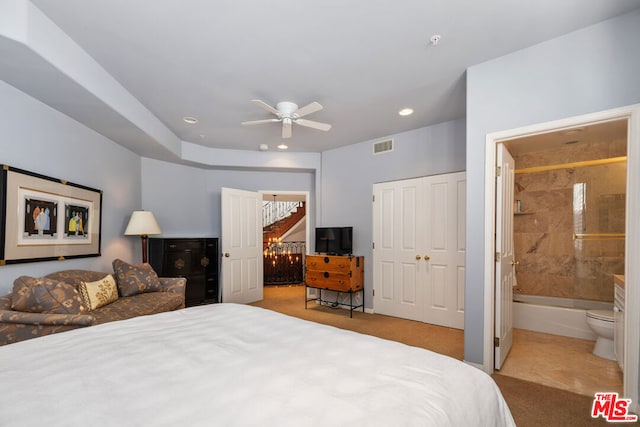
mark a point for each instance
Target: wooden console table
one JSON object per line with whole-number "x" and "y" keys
{"x": 342, "y": 274}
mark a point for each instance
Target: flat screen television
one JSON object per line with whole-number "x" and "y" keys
{"x": 334, "y": 240}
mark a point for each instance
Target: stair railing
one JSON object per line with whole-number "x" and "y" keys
{"x": 283, "y": 263}
{"x": 275, "y": 211}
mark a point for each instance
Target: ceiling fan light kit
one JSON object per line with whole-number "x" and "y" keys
{"x": 288, "y": 113}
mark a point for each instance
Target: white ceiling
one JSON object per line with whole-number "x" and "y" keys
{"x": 595, "y": 133}
{"x": 363, "y": 60}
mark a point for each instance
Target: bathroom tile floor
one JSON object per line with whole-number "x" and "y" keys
{"x": 560, "y": 362}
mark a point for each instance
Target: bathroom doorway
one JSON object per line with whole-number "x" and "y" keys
{"x": 632, "y": 231}
{"x": 568, "y": 243}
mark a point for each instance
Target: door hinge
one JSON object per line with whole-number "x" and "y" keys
{"x": 374, "y": 292}
{"x": 496, "y": 342}
{"x": 498, "y": 170}
{"x": 497, "y": 256}
{"x": 373, "y": 198}
{"x": 373, "y": 245}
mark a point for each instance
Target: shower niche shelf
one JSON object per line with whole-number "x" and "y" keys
{"x": 523, "y": 213}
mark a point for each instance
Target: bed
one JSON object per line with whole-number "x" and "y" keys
{"x": 237, "y": 365}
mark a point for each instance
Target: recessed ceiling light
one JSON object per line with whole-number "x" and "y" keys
{"x": 406, "y": 111}
{"x": 264, "y": 147}
{"x": 283, "y": 146}
{"x": 190, "y": 120}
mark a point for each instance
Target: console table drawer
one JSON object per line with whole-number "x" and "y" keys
{"x": 332, "y": 281}
{"x": 329, "y": 263}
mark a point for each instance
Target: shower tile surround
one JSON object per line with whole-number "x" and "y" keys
{"x": 552, "y": 263}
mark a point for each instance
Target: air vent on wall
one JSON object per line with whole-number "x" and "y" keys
{"x": 383, "y": 146}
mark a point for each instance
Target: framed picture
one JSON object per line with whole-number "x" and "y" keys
{"x": 44, "y": 218}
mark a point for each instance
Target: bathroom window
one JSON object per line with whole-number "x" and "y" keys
{"x": 579, "y": 207}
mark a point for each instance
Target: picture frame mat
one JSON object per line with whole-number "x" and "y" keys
{"x": 14, "y": 250}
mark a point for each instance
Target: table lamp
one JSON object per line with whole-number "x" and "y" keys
{"x": 142, "y": 223}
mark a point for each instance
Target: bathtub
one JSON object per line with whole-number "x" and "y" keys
{"x": 557, "y": 316}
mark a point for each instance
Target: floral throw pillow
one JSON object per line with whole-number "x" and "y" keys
{"x": 135, "y": 279}
{"x": 99, "y": 293}
{"x": 42, "y": 295}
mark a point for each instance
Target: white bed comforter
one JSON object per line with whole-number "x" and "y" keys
{"x": 227, "y": 365}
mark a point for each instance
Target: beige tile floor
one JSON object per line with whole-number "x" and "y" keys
{"x": 561, "y": 362}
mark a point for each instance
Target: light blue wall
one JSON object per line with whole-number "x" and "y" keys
{"x": 39, "y": 139}
{"x": 186, "y": 200}
{"x": 178, "y": 197}
{"x": 594, "y": 69}
{"x": 348, "y": 175}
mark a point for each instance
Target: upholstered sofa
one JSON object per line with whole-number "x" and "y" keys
{"x": 15, "y": 325}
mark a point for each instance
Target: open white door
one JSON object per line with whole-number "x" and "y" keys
{"x": 505, "y": 262}
{"x": 241, "y": 268}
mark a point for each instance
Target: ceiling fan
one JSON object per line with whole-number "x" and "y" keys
{"x": 289, "y": 113}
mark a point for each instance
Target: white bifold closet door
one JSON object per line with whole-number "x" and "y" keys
{"x": 419, "y": 249}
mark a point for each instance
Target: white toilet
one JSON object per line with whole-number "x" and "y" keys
{"x": 601, "y": 323}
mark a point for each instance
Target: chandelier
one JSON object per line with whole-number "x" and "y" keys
{"x": 274, "y": 241}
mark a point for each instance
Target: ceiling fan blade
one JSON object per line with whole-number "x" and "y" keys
{"x": 286, "y": 128}
{"x": 308, "y": 109}
{"x": 266, "y": 106}
{"x": 258, "y": 122}
{"x": 316, "y": 125}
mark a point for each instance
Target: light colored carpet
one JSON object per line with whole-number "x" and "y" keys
{"x": 290, "y": 300}
{"x": 531, "y": 404}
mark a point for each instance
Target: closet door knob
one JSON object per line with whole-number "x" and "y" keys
{"x": 418, "y": 257}
{"x": 427, "y": 257}
{"x": 226, "y": 254}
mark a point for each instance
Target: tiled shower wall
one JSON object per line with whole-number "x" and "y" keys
{"x": 558, "y": 203}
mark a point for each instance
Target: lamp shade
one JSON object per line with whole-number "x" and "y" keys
{"x": 142, "y": 223}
